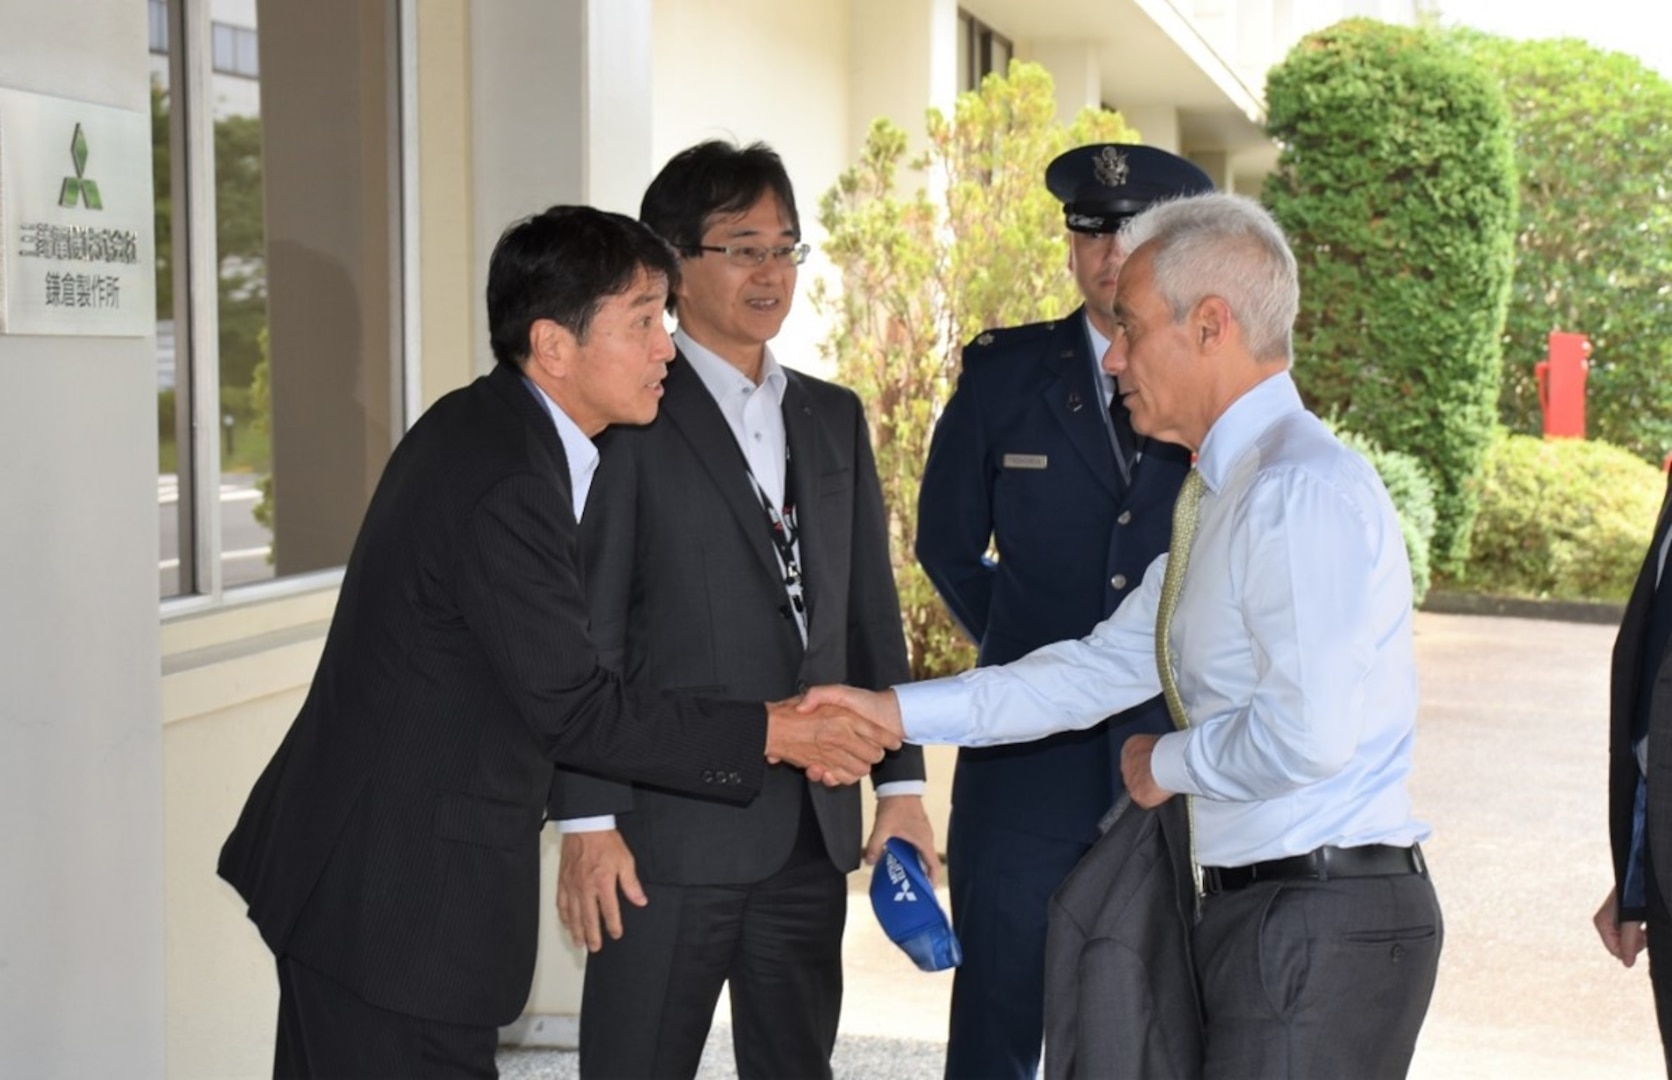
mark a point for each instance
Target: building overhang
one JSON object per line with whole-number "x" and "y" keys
{"x": 1150, "y": 55}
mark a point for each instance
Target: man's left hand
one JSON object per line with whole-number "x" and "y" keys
{"x": 1135, "y": 755}
{"x": 903, "y": 816}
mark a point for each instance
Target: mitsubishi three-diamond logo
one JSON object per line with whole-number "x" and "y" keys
{"x": 78, "y": 188}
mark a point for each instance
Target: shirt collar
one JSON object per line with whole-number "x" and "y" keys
{"x": 1099, "y": 343}
{"x": 721, "y": 378}
{"x": 582, "y": 456}
{"x": 1241, "y": 425}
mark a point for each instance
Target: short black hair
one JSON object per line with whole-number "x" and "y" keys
{"x": 562, "y": 265}
{"x": 710, "y": 179}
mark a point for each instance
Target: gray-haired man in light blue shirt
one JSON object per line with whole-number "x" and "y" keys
{"x": 1290, "y": 658}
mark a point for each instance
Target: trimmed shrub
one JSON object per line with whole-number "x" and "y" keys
{"x": 1561, "y": 519}
{"x": 1396, "y": 187}
{"x": 1412, "y": 492}
{"x": 1593, "y": 252}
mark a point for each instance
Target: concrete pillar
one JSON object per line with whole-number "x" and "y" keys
{"x": 1075, "y": 74}
{"x": 560, "y": 113}
{"x": 618, "y": 104}
{"x": 1158, "y": 125}
{"x": 904, "y": 59}
{"x": 1217, "y": 165}
{"x": 81, "y": 776}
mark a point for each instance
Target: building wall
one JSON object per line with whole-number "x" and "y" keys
{"x": 81, "y": 775}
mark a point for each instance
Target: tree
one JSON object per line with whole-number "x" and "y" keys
{"x": 1395, "y": 184}
{"x": 925, "y": 267}
{"x": 240, "y": 234}
{"x": 1593, "y": 244}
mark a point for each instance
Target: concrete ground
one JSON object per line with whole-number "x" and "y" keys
{"x": 1510, "y": 771}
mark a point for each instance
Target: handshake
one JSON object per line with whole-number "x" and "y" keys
{"x": 834, "y": 733}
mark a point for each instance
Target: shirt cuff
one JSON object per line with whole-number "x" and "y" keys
{"x": 601, "y": 823}
{"x": 1167, "y": 764}
{"x": 935, "y": 711}
{"x": 901, "y": 787}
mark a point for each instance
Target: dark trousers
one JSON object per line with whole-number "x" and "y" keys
{"x": 649, "y": 998}
{"x": 1323, "y": 980}
{"x": 1659, "y": 920}
{"x": 1001, "y": 884}
{"x": 326, "y": 1032}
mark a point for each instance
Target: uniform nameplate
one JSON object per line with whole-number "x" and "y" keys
{"x": 1025, "y": 461}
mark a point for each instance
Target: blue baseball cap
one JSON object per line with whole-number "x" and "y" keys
{"x": 904, "y": 900}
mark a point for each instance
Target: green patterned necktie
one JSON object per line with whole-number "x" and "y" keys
{"x": 1178, "y": 561}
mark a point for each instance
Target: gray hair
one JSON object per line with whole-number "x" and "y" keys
{"x": 1226, "y": 246}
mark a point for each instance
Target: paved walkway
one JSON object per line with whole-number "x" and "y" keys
{"x": 1510, "y": 771}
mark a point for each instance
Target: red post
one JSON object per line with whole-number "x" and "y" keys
{"x": 1561, "y": 385}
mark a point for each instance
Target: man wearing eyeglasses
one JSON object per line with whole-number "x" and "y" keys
{"x": 736, "y": 544}
{"x": 1036, "y": 457}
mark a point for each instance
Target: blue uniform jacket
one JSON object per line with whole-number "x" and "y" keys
{"x": 1022, "y": 461}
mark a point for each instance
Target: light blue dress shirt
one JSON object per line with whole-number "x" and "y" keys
{"x": 577, "y": 448}
{"x": 1292, "y": 640}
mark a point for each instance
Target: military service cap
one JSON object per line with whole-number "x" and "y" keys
{"x": 1102, "y": 185}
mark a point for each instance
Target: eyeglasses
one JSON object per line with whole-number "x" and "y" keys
{"x": 749, "y": 256}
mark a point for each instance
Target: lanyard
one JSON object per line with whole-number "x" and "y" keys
{"x": 783, "y": 529}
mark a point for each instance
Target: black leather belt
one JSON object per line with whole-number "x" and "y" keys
{"x": 1371, "y": 860}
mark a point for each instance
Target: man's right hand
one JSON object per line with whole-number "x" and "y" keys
{"x": 831, "y": 744}
{"x": 594, "y": 866}
{"x": 1622, "y": 940}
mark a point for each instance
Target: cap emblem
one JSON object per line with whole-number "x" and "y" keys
{"x": 1111, "y": 167}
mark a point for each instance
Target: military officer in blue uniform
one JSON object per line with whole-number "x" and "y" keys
{"x": 1034, "y": 458}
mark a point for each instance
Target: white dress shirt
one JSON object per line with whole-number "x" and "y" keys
{"x": 1292, "y": 640}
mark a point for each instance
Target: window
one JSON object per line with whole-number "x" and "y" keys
{"x": 235, "y": 51}
{"x": 981, "y": 51}
{"x": 157, "y": 10}
{"x": 278, "y": 344}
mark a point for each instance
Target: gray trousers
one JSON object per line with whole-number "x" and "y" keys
{"x": 1323, "y": 980}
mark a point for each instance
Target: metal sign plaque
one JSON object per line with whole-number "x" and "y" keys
{"x": 76, "y": 218}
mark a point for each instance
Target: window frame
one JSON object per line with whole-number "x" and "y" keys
{"x": 980, "y": 40}
{"x": 191, "y": 74}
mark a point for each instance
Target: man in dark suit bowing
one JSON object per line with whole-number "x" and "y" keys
{"x": 389, "y": 852}
{"x": 1639, "y": 783}
{"x": 1035, "y": 457}
{"x": 737, "y": 547}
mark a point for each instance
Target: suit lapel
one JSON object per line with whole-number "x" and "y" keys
{"x": 1074, "y": 398}
{"x": 689, "y": 407}
{"x": 807, "y": 466}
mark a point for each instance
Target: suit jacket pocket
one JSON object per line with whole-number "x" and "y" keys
{"x": 493, "y": 823}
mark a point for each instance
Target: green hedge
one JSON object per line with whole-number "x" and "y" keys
{"x": 1561, "y": 519}
{"x": 1396, "y": 186}
{"x": 1593, "y": 147}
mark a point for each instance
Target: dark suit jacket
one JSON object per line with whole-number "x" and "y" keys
{"x": 392, "y": 843}
{"x": 687, "y": 594}
{"x": 1120, "y": 985}
{"x": 1623, "y": 773}
{"x": 1022, "y": 457}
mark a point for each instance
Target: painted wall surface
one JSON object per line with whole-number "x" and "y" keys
{"x": 766, "y": 70}
{"x": 81, "y": 783}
